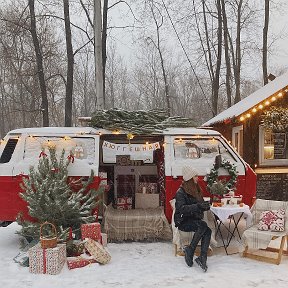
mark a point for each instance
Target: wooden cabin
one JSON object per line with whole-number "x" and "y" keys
{"x": 256, "y": 127}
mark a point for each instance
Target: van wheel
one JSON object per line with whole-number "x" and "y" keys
{"x": 5, "y": 223}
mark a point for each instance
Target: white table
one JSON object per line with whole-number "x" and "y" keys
{"x": 227, "y": 212}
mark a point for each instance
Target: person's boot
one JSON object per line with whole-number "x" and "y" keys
{"x": 189, "y": 254}
{"x": 202, "y": 262}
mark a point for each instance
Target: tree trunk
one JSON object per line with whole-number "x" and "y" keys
{"x": 100, "y": 100}
{"x": 265, "y": 42}
{"x": 104, "y": 39}
{"x": 227, "y": 56}
{"x": 158, "y": 47}
{"x": 39, "y": 61}
{"x": 70, "y": 66}
{"x": 237, "y": 67}
{"x": 216, "y": 79}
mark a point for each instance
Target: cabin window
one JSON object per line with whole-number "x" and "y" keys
{"x": 273, "y": 147}
{"x": 237, "y": 139}
{"x": 8, "y": 150}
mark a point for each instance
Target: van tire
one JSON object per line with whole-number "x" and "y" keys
{"x": 5, "y": 223}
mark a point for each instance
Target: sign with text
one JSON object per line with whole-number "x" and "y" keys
{"x": 280, "y": 145}
{"x": 142, "y": 152}
{"x": 272, "y": 186}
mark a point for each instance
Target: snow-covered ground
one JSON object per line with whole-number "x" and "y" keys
{"x": 142, "y": 265}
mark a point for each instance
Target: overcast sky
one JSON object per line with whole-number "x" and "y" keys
{"x": 278, "y": 30}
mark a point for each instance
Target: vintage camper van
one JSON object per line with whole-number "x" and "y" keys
{"x": 142, "y": 171}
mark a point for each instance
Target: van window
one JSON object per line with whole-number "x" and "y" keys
{"x": 8, "y": 150}
{"x": 81, "y": 147}
{"x": 208, "y": 148}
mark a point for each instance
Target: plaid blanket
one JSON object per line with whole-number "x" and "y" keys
{"x": 258, "y": 239}
{"x": 136, "y": 224}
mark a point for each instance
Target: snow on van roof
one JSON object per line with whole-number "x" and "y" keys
{"x": 253, "y": 99}
{"x": 189, "y": 131}
{"x": 55, "y": 130}
{"x": 90, "y": 130}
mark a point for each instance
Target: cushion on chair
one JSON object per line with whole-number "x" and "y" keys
{"x": 272, "y": 220}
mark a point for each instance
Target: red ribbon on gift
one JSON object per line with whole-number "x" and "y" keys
{"x": 42, "y": 154}
{"x": 71, "y": 158}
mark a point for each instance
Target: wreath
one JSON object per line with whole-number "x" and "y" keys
{"x": 220, "y": 187}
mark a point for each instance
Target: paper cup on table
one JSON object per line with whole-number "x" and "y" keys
{"x": 224, "y": 201}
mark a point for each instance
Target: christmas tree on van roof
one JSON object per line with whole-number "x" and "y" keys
{"x": 139, "y": 121}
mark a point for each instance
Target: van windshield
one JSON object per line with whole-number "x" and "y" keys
{"x": 194, "y": 148}
{"x": 81, "y": 147}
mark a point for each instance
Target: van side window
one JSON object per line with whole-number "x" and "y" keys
{"x": 8, "y": 150}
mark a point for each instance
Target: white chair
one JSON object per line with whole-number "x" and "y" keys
{"x": 182, "y": 239}
{"x": 256, "y": 240}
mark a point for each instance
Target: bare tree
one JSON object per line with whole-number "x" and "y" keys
{"x": 70, "y": 66}
{"x": 227, "y": 54}
{"x": 265, "y": 41}
{"x": 39, "y": 60}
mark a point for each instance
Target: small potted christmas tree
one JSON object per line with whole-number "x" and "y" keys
{"x": 51, "y": 197}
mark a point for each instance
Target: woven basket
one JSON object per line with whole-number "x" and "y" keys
{"x": 50, "y": 242}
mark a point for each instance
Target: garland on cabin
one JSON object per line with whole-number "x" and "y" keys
{"x": 276, "y": 119}
{"x": 138, "y": 122}
{"x": 220, "y": 187}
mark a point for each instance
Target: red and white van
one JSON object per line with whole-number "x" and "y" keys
{"x": 132, "y": 165}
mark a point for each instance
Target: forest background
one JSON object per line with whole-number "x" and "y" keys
{"x": 193, "y": 58}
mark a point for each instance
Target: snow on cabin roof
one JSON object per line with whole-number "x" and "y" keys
{"x": 253, "y": 99}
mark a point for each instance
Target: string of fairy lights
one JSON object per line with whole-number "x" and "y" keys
{"x": 260, "y": 106}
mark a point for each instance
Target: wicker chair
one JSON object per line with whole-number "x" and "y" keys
{"x": 182, "y": 239}
{"x": 257, "y": 242}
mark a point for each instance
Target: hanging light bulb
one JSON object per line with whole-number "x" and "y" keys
{"x": 267, "y": 103}
{"x": 130, "y": 136}
{"x": 273, "y": 98}
{"x": 242, "y": 118}
{"x": 280, "y": 94}
{"x": 254, "y": 110}
{"x": 260, "y": 106}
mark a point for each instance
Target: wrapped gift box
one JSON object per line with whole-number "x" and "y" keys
{"x": 124, "y": 203}
{"x": 78, "y": 262}
{"x": 103, "y": 178}
{"x": 144, "y": 201}
{"x": 91, "y": 230}
{"x": 97, "y": 251}
{"x": 149, "y": 188}
{"x": 47, "y": 261}
{"x": 104, "y": 239}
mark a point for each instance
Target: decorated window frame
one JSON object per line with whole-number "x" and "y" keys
{"x": 268, "y": 155}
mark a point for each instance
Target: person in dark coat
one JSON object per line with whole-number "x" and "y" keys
{"x": 189, "y": 214}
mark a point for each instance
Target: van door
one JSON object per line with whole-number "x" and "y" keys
{"x": 9, "y": 186}
{"x": 198, "y": 152}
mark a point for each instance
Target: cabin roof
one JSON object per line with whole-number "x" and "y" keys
{"x": 279, "y": 84}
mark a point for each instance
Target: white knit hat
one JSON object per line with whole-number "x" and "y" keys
{"x": 188, "y": 173}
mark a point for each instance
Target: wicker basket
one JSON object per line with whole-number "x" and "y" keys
{"x": 97, "y": 251}
{"x": 50, "y": 242}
